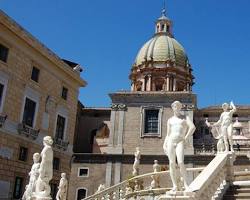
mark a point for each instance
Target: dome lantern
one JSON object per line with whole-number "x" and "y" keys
{"x": 163, "y": 25}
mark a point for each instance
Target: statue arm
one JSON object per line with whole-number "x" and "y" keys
{"x": 218, "y": 122}
{"x": 233, "y": 108}
{"x": 166, "y": 139}
{"x": 191, "y": 128}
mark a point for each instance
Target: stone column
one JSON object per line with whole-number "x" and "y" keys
{"x": 120, "y": 128}
{"x": 108, "y": 177}
{"x": 149, "y": 82}
{"x": 143, "y": 84}
{"x": 133, "y": 86}
{"x": 167, "y": 83}
{"x": 112, "y": 125}
{"x": 117, "y": 177}
{"x": 174, "y": 84}
{"x": 188, "y": 86}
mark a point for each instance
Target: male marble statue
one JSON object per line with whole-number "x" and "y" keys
{"x": 62, "y": 188}
{"x": 136, "y": 162}
{"x": 43, "y": 189}
{"x": 34, "y": 173}
{"x": 179, "y": 129}
{"x": 225, "y": 125}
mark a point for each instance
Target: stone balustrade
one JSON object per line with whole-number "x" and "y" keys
{"x": 28, "y": 131}
{"x": 135, "y": 187}
{"x": 214, "y": 180}
{"x": 211, "y": 183}
{"x": 2, "y": 119}
{"x": 60, "y": 143}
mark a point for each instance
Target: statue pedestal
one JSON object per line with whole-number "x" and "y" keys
{"x": 177, "y": 195}
{"x": 41, "y": 198}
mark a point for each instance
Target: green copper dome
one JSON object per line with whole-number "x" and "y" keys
{"x": 162, "y": 47}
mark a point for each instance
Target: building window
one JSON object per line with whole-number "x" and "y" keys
{"x": 18, "y": 188}
{"x": 23, "y": 153}
{"x": 81, "y": 193}
{"x": 35, "y": 74}
{"x": 83, "y": 172}
{"x": 60, "y": 127}
{"x": 206, "y": 131}
{"x": 64, "y": 93}
{"x": 1, "y": 93}
{"x": 53, "y": 187}
{"x": 56, "y": 163}
{"x": 3, "y": 53}
{"x": 29, "y": 112}
{"x": 151, "y": 121}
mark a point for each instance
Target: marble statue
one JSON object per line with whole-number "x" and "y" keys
{"x": 42, "y": 191}
{"x": 156, "y": 177}
{"x": 136, "y": 162}
{"x": 62, "y": 188}
{"x": 100, "y": 188}
{"x": 33, "y": 174}
{"x": 223, "y": 128}
{"x": 179, "y": 129}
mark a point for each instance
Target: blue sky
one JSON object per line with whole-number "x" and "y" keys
{"x": 104, "y": 37}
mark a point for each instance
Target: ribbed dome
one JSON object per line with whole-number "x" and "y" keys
{"x": 162, "y": 48}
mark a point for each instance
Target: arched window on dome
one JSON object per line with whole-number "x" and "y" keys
{"x": 159, "y": 84}
{"x": 162, "y": 27}
{"x": 138, "y": 86}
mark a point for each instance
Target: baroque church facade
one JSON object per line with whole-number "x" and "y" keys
{"x": 106, "y": 138}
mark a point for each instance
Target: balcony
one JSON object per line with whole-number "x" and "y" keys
{"x": 28, "y": 131}
{"x": 61, "y": 144}
{"x": 2, "y": 120}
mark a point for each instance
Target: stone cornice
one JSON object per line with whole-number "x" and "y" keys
{"x": 37, "y": 45}
{"x": 159, "y": 97}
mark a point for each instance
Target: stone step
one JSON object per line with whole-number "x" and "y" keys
{"x": 238, "y": 190}
{"x": 237, "y": 196}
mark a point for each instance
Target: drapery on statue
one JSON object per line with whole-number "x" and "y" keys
{"x": 136, "y": 162}
{"x": 225, "y": 131}
{"x": 43, "y": 189}
{"x": 34, "y": 173}
{"x": 179, "y": 129}
{"x": 62, "y": 188}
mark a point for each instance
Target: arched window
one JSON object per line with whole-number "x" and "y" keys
{"x": 81, "y": 193}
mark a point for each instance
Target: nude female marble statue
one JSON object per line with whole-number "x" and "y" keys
{"x": 179, "y": 129}
{"x": 46, "y": 170}
{"x": 62, "y": 188}
{"x": 225, "y": 125}
{"x": 136, "y": 162}
{"x": 34, "y": 173}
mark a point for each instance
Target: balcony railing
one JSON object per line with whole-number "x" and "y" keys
{"x": 61, "y": 144}
{"x": 2, "y": 119}
{"x": 28, "y": 131}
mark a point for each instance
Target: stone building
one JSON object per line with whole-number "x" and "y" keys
{"x": 38, "y": 97}
{"x": 106, "y": 138}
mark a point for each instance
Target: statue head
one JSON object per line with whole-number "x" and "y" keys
{"x": 225, "y": 106}
{"x": 63, "y": 175}
{"x": 155, "y": 161}
{"x": 176, "y": 106}
{"x": 36, "y": 157}
{"x": 137, "y": 149}
{"x": 47, "y": 140}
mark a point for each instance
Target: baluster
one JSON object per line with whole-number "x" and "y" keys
{"x": 121, "y": 193}
{"x": 108, "y": 197}
{"x": 114, "y": 195}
